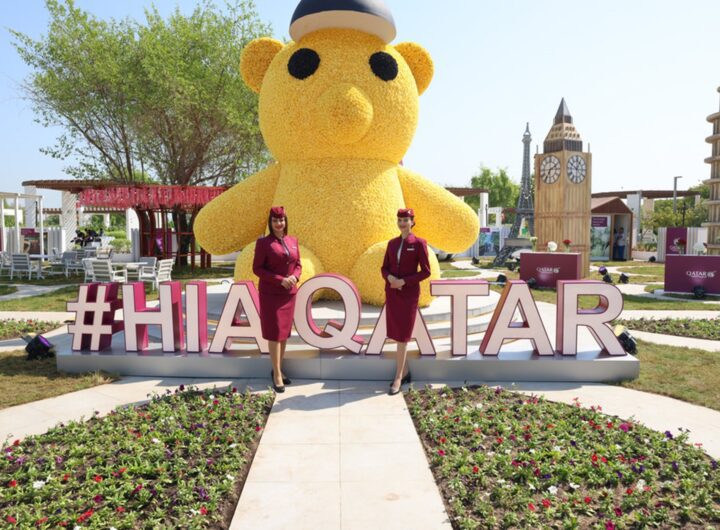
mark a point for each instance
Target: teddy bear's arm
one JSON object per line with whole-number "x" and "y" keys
{"x": 442, "y": 218}
{"x": 238, "y": 216}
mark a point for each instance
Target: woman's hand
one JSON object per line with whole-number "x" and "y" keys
{"x": 288, "y": 283}
{"x": 396, "y": 283}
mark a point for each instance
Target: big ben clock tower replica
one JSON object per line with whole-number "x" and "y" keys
{"x": 563, "y": 188}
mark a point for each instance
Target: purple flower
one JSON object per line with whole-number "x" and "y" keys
{"x": 713, "y": 464}
{"x": 573, "y": 443}
{"x": 182, "y": 388}
{"x": 668, "y": 435}
{"x": 58, "y": 460}
{"x": 675, "y": 466}
{"x": 202, "y": 494}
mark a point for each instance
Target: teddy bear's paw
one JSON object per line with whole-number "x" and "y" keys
{"x": 311, "y": 266}
{"x": 367, "y": 277}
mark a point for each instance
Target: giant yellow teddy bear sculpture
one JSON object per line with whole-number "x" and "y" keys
{"x": 338, "y": 110}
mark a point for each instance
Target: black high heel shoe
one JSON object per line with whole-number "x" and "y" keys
{"x": 286, "y": 380}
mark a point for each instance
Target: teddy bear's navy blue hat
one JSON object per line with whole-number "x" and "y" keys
{"x": 370, "y": 16}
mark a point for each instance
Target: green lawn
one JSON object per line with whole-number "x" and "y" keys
{"x": 688, "y": 374}
{"x": 7, "y": 289}
{"x": 457, "y": 273}
{"x": 23, "y": 381}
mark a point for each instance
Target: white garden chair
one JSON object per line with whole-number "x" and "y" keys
{"x": 159, "y": 274}
{"x": 5, "y": 262}
{"x": 21, "y": 263}
{"x": 103, "y": 271}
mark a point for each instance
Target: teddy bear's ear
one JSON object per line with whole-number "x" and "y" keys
{"x": 255, "y": 60}
{"x": 420, "y": 63}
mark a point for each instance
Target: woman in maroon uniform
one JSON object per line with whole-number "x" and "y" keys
{"x": 277, "y": 264}
{"x": 403, "y": 256}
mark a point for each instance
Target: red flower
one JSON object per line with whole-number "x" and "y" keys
{"x": 618, "y": 512}
{"x": 441, "y": 452}
{"x": 12, "y": 483}
{"x": 476, "y": 469}
{"x": 41, "y": 521}
{"x": 566, "y": 242}
{"x": 258, "y": 428}
{"x": 66, "y": 477}
{"x": 546, "y": 503}
{"x": 203, "y": 510}
{"x": 443, "y": 439}
{"x": 499, "y": 439}
{"x": 531, "y": 507}
{"x": 137, "y": 489}
{"x": 85, "y": 516}
{"x": 587, "y": 500}
{"x": 119, "y": 509}
{"x": 11, "y": 519}
{"x": 594, "y": 458}
{"x": 629, "y": 491}
{"x": 16, "y": 443}
{"x": 98, "y": 499}
{"x": 62, "y": 523}
{"x": 609, "y": 525}
{"x": 97, "y": 478}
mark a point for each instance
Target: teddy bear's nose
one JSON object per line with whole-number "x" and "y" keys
{"x": 345, "y": 114}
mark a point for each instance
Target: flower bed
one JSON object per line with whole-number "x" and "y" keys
{"x": 14, "y": 329}
{"x": 682, "y": 327}
{"x": 177, "y": 462}
{"x": 504, "y": 459}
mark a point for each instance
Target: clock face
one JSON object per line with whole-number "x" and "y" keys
{"x": 550, "y": 169}
{"x": 576, "y": 169}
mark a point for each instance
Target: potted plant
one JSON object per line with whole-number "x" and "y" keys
{"x": 533, "y": 242}
{"x": 567, "y": 244}
{"x": 552, "y": 246}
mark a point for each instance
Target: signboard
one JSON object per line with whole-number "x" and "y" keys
{"x": 673, "y": 238}
{"x": 95, "y": 321}
{"x": 684, "y": 273}
{"x": 549, "y": 267}
{"x": 600, "y": 238}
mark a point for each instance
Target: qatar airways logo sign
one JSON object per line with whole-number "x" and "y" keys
{"x": 701, "y": 274}
{"x": 548, "y": 270}
{"x": 95, "y": 321}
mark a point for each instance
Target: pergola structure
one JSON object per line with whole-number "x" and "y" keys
{"x": 16, "y": 197}
{"x": 154, "y": 205}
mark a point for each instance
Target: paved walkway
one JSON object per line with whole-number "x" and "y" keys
{"x": 340, "y": 455}
{"x": 25, "y": 290}
{"x": 671, "y": 340}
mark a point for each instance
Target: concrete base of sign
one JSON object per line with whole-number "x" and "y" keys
{"x": 516, "y": 361}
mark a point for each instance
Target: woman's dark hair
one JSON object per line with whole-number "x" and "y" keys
{"x": 270, "y": 228}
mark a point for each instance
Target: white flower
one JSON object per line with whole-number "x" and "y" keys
{"x": 155, "y": 441}
{"x": 557, "y": 448}
{"x": 501, "y": 481}
{"x": 229, "y": 477}
{"x": 532, "y": 488}
{"x": 232, "y": 446}
{"x": 478, "y": 406}
{"x": 552, "y": 490}
{"x": 193, "y": 512}
{"x": 38, "y": 484}
{"x": 574, "y": 486}
{"x": 641, "y": 484}
{"x": 211, "y": 396}
{"x": 532, "y": 451}
{"x": 552, "y": 246}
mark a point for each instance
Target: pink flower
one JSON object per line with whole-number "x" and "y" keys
{"x": 441, "y": 452}
{"x": 10, "y": 519}
{"x": 618, "y": 512}
{"x": 203, "y": 510}
{"x": 546, "y": 503}
{"x": 609, "y": 525}
{"x": 625, "y": 427}
{"x": 531, "y": 507}
{"x": 587, "y": 500}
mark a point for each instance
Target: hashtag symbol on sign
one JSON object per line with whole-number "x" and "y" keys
{"x": 94, "y": 316}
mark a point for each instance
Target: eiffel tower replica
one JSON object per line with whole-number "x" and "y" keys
{"x": 525, "y": 208}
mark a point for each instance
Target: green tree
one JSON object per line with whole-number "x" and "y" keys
{"x": 504, "y": 192}
{"x": 161, "y": 99}
{"x": 687, "y": 213}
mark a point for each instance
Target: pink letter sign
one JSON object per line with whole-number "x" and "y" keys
{"x": 516, "y": 295}
{"x": 95, "y": 321}
{"x": 459, "y": 291}
{"x": 138, "y": 316}
{"x": 243, "y": 296}
{"x": 196, "y": 316}
{"x": 419, "y": 333}
{"x": 335, "y": 335}
{"x": 570, "y": 316}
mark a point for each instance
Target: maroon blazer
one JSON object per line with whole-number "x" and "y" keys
{"x": 272, "y": 264}
{"x": 414, "y": 254}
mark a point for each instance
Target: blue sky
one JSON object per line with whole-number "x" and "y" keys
{"x": 639, "y": 77}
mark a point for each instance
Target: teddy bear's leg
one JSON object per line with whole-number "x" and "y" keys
{"x": 311, "y": 265}
{"x": 367, "y": 277}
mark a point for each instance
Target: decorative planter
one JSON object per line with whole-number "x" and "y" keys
{"x": 684, "y": 272}
{"x": 549, "y": 267}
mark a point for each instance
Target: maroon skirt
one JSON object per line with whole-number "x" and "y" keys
{"x": 400, "y": 312}
{"x": 276, "y": 316}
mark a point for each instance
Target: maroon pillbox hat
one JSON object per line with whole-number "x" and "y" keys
{"x": 406, "y": 212}
{"x": 277, "y": 211}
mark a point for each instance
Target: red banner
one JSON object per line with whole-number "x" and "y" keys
{"x": 149, "y": 196}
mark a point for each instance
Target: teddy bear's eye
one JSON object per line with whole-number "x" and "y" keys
{"x": 303, "y": 63}
{"x": 384, "y": 66}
